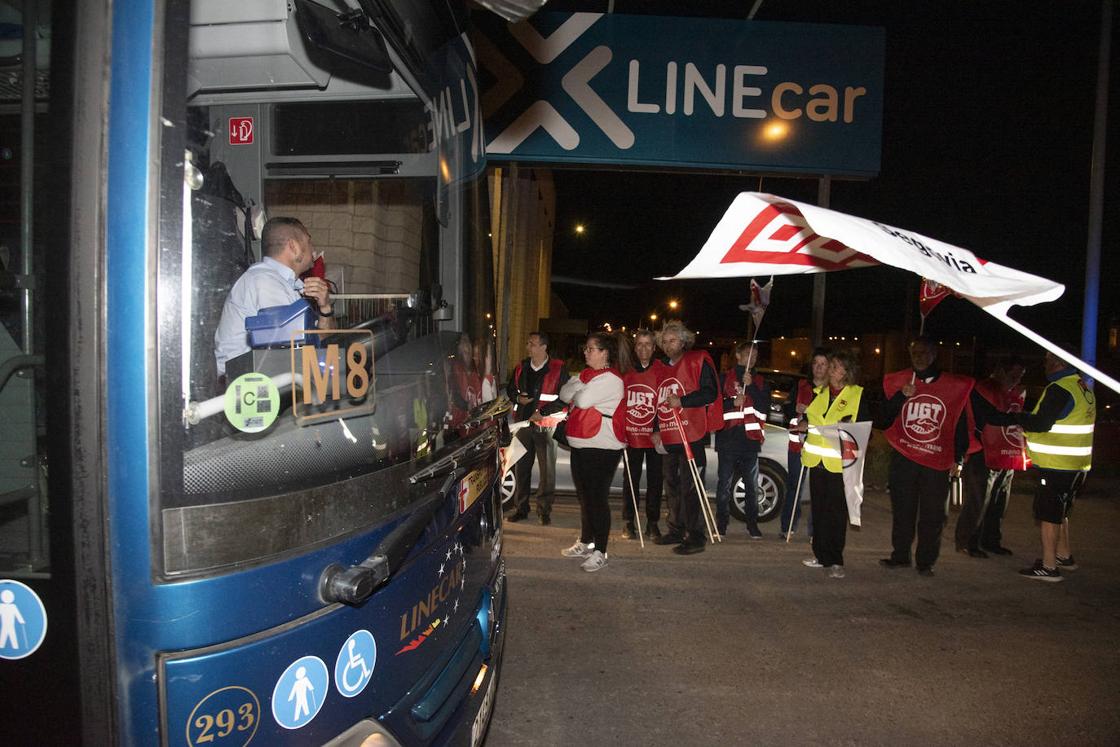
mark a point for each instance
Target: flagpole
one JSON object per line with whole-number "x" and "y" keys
{"x": 796, "y": 502}
{"x": 633, "y": 496}
{"x": 1081, "y": 365}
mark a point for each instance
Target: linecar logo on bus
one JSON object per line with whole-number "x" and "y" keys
{"x": 240, "y": 130}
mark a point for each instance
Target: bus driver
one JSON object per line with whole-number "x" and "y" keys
{"x": 274, "y": 281}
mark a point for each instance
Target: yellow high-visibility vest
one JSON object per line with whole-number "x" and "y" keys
{"x": 821, "y": 450}
{"x": 1069, "y": 444}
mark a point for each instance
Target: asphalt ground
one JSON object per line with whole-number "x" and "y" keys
{"x": 742, "y": 644}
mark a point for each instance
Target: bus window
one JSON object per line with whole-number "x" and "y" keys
{"x": 273, "y": 457}
{"x": 24, "y": 507}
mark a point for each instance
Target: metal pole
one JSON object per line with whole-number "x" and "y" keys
{"x": 27, "y": 176}
{"x": 824, "y": 187}
{"x": 1090, "y": 309}
{"x": 37, "y": 547}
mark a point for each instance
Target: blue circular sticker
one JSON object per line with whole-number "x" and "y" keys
{"x": 23, "y": 620}
{"x": 300, "y": 692}
{"x": 354, "y": 666}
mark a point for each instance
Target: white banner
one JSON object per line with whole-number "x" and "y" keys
{"x": 761, "y": 234}
{"x": 850, "y": 440}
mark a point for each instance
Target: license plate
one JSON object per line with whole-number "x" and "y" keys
{"x": 478, "y": 728}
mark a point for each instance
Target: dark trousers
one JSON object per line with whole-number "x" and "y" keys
{"x": 593, "y": 472}
{"x": 919, "y": 496}
{"x": 977, "y": 494}
{"x": 538, "y": 445}
{"x": 830, "y": 515}
{"x": 791, "y": 509}
{"x": 999, "y": 490}
{"x": 680, "y": 491}
{"x": 654, "y": 479}
{"x": 733, "y": 465}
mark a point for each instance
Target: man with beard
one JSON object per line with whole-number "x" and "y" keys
{"x": 687, "y": 394}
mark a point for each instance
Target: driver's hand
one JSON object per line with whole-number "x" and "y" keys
{"x": 318, "y": 291}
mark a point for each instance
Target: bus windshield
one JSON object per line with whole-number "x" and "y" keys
{"x": 307, "y": 434}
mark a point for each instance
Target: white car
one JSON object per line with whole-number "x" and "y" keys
{"x": 771, "y": 491}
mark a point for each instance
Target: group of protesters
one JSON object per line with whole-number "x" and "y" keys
{"x": 657, "y": 411}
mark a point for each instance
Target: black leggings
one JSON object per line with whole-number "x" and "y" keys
{"x": 592, "y": 472}
{"x": 830, "y": 515}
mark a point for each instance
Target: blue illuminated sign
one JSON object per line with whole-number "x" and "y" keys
{"x": 600, "y": 88}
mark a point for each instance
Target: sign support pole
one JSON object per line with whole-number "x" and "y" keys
{"x": 824, "y": 188}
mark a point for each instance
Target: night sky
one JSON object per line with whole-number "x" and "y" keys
{"x": 987, "y": 135}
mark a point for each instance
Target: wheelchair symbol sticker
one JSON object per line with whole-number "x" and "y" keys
{"x": 23, "y": 620}
{"x": 300, "y": 692}
{"x": 354, "y": 666}
{"x": 252, "y": 402}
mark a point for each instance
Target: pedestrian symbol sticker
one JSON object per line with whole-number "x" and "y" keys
{"x": 23, "y": 620}
{"x": 252, "y": 402}
{"x": 354, "y": 666}
{"x": 300, "y": 692}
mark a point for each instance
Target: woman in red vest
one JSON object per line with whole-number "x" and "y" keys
{"x": 597, "y": 437}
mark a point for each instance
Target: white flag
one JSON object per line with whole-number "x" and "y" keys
{"x": 760, "y": 299}
{"x": 851, "y": 442}
{"x": 762, "y": 234}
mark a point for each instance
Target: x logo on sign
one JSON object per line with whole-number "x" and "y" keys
{"x": 780, "y": 235}
{"x": 576, "y": 83}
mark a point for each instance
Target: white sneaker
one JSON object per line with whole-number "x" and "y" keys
{"x": 811, "y": 563}
{"x": 836, "y": 571}
{"x": 596, "y": 561}
{"x": 578, "y": 550}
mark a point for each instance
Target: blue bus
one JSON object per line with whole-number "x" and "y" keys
{"x": 300, "y": 543}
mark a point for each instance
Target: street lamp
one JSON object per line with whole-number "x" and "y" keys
{"x": 580, "y": 229}
{"x": 673, "y": 305}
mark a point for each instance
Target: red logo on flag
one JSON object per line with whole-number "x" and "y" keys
{"x": 931, "y": 294}
{"x": 240, "y": 130}
{"x": 780, "y": 235}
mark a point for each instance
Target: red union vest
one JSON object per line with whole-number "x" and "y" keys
{"x": 805, "y": 395}
{"x": 586, "y": 423}
{"x": 1004, "y": 447}
{"x": 641, "y": 404}
{"x": 746, "y": 417}
{"x": 550, "y": 384}
{"x": 924, "y": 430}
{"x": 681, "y": 379}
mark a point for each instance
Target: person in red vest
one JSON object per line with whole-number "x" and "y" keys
{"x": 596, "y": 436}
{"x": 686, "y": 393}
{"x": 926, "y": 423}
{"x": 746, "y": 400}
{"x": 464, "y": 382}
{"x": 641, "y": 412}
{"x": 800, "y": 398}
{"x": 533, "y": 388}
{"x": 987, "y": 474}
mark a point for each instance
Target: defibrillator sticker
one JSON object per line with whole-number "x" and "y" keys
{"x": 252, "y": 403}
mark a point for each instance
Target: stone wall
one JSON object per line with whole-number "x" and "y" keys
{"x": 370, "y": 232}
